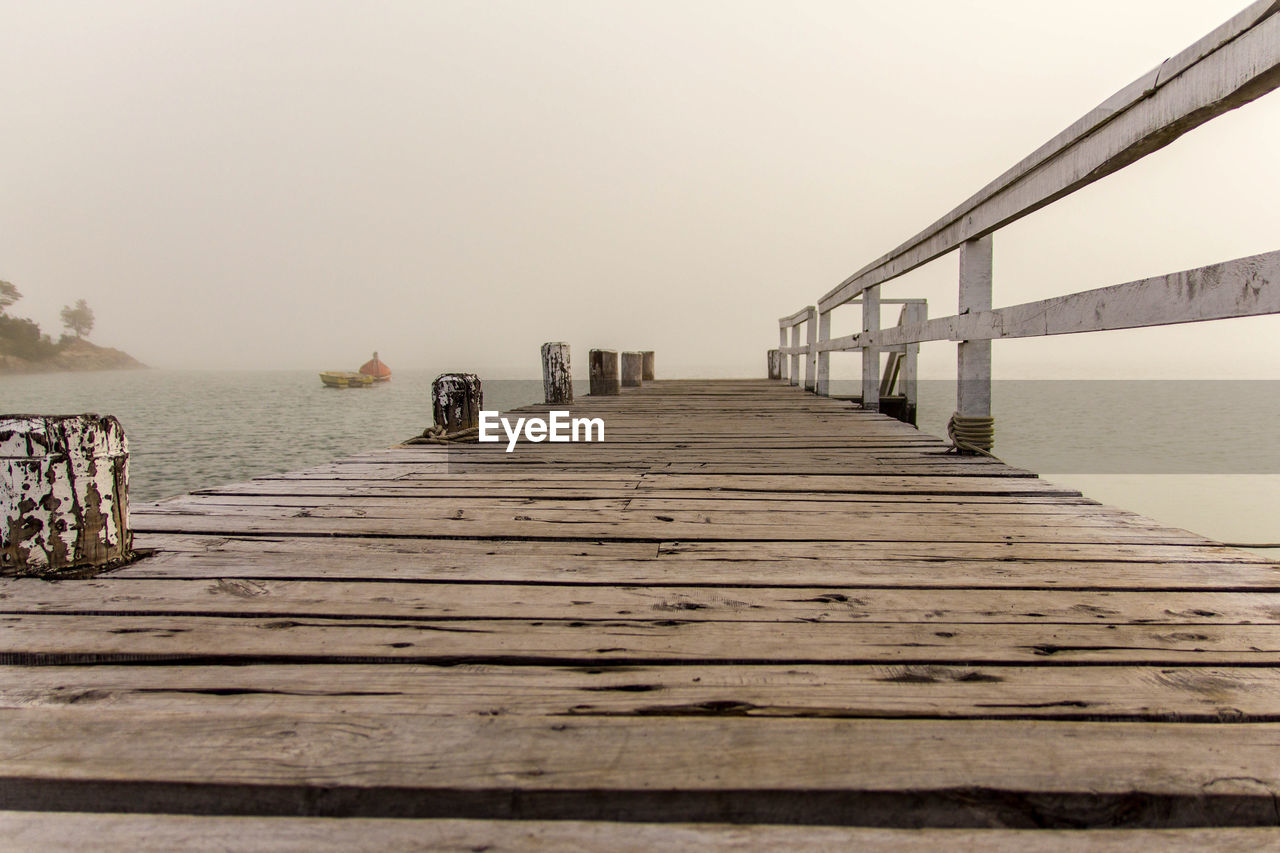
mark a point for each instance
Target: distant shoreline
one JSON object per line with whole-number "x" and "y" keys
{"x": 76, "y": 357}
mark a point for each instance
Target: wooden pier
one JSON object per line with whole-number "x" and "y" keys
{"x": 749, "y": 605}
{"x": 753, "y": 616}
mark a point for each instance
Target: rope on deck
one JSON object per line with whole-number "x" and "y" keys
{"x": 437, "y": 435}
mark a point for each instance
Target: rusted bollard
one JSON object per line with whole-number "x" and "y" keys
{"x": 557, "y": 380}
{"x": 456, "y": 400}
{"x": 647, "y": 371}
{"x": 603, "y": 365}
{"x": 632, "y": 369}
{"x": 64, "y": 494}
{"x": 775, "y": 364}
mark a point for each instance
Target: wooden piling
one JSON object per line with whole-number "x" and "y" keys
{"x": 456, "y": 400}
{"x": 557, "y": 379}
{"x": 647, "y": 367}
{"x": 775, "y": 364}
{"x": 632, "y": 369}
{"x": 603, "y": 367}
{"x": 64, "y": 494}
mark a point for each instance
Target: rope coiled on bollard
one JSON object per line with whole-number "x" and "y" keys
{"x": 972, "y": 434}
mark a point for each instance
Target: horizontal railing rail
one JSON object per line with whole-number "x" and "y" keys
{"x": 1238, "y": 288}
{"x": 1236, "y": 63}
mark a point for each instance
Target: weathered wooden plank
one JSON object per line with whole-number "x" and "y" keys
{"x": 47, "y": 831}
{"x": 528, "y": 525}
{"x": 817, "y": 507}
{"x": 830, "y": 603}
{"x": 904, "y": 773}
{"x": 531, "y": 522}
{"x": 708, "y": 511}
{"x": 502, "y": 495}
{"x": 47, "y": 639}
{"x": 935, "y": 551}
{"x": 328, "y": 561}
{"x": 866, "y": 465}
{"x": 870, "y": 484}
{"x": 798, "y": 486}
{"x": 1204, "y": 694}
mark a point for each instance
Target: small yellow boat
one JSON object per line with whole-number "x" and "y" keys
{"x": 345, "y": 379}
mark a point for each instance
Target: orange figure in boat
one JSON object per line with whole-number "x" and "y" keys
{"x": 375, "y": 368}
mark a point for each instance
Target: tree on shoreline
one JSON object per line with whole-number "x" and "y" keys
{"x": 8, "y": 295}
{"x": 78, "y": 318}
{"x": 19, "y": 336}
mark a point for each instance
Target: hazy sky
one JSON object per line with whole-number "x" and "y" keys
{"x": 294, "y": 183}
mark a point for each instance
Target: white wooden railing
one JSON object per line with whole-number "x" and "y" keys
{"x": 1231, "y": 66}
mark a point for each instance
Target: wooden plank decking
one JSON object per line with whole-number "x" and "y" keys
{"x": 748, "y": 605}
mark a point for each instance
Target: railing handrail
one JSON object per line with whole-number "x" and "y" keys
{"x": 1236, "y": 63}
{"x": 796, "y": 318}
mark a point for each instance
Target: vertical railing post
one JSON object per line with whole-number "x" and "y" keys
{"x": 794, "y": 374}
{"x": 823, "y": 387}
{"x": 973, "y": 358}
{"x": 914, "y": 313}
{"x": 810, "y": 357}
{"x": 782, "y": 345}
{"x": 871, "y": 354}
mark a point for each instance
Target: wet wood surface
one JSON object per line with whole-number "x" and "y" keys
{"x": 748, "y": 605}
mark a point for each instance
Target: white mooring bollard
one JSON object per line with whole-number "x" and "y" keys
{"x": 64, "y": 494}
{"x": 557, "y": 379}
{"x": 456, "y": 401}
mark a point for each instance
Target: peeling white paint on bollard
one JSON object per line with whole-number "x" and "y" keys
{"x": 456, "y": 401}
{"x": 557, "y": 378}
{"x": 64, "y": 493}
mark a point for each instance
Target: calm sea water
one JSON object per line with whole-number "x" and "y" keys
{"x": 189, "y": 429}
{"x": 1201, "y": 456}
